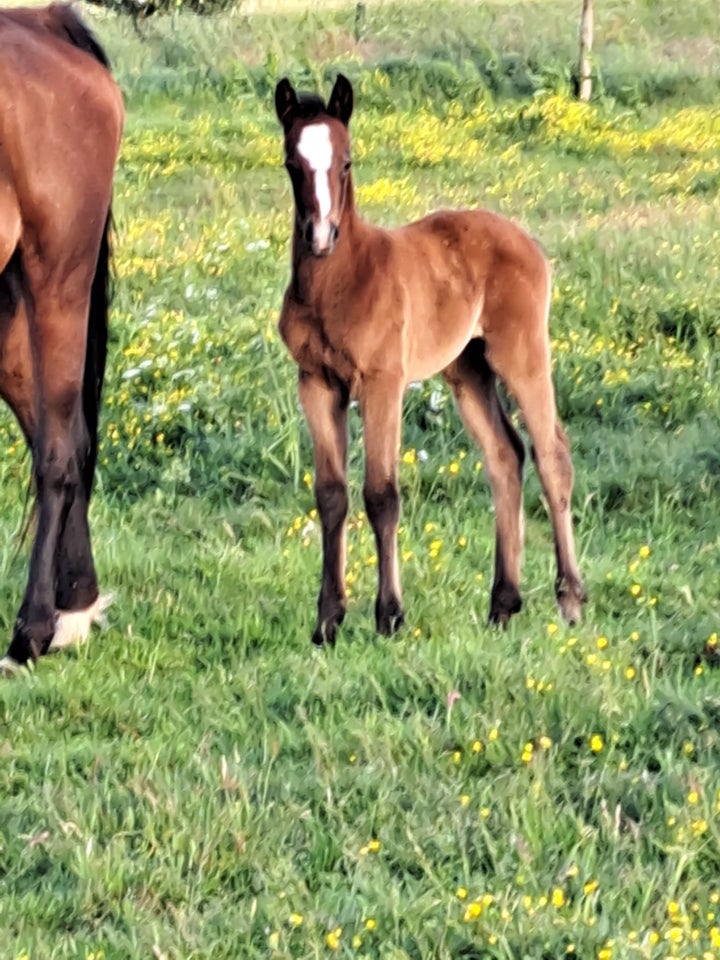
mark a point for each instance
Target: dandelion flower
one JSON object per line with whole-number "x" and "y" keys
{"x": 332, "y": 938}
{"x": 473, "y": 911}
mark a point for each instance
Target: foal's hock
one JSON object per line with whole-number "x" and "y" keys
{"x": 463, "y": 293}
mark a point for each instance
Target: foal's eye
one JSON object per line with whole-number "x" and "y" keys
{"x": 347, "y": 165}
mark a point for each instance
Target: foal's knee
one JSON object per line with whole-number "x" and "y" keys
{"x": 382, "y": 505}
{"x": 332, "y": 502}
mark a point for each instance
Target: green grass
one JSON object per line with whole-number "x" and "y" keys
{"x": 198, "y": 775}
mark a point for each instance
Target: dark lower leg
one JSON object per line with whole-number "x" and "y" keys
{"x": 556, "y": 475}
{"x": 383, "y": 510}
{"x": 76, "y": 585}
{"x": 332, "y": 502}
{"x": 57, "y": 478}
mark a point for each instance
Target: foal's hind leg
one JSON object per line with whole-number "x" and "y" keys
{"x": 325, "y": 406}
{"x": 473, "y": 384}
{"x": 533, "y": 389}
{"x": 382, "y": 414}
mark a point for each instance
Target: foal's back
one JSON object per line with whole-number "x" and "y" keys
{"x": 450, "y": 277}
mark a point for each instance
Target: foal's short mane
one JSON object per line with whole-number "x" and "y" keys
{"x": 309, "y": 106}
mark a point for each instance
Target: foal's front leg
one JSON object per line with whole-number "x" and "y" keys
{"x": 325, "y": 406}
{"x": 382, "y": 414}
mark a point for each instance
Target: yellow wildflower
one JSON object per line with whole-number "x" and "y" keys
{"x": 332, "y": 938}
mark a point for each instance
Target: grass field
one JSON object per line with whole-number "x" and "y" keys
{"x": 198, "y": 782}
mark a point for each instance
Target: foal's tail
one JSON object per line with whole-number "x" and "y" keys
{"x": 96, "y": 352}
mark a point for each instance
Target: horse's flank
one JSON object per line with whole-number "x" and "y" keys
{"x": 407, "y": 301}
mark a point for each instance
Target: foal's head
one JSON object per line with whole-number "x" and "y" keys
{"x": 317, "y": 157}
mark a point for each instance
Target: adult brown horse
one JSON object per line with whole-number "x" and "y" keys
{"x": 367, "y": 311}
{"x": 61, "y": 118}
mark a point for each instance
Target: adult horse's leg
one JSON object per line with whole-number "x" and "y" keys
{"x": 473, "y": 384}
{"x": 58, "y": 325}
{"x": 77, "y": 600}
{"x": 382, "y": 415}
{"x": 325, "y": 405}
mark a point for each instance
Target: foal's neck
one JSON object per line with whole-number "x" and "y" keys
{"x": 310, "y": 273}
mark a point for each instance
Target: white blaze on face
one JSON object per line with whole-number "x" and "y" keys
{"x": 315, "y": 147}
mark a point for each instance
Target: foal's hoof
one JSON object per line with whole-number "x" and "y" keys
{"x": 570, "y": 600}
{"x": 325, "y": 632}
{"x": 504, "y": 603}
{"x": 389, "y": 617}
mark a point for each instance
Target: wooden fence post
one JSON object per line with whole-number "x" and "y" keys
{"x": 586, "y": 42}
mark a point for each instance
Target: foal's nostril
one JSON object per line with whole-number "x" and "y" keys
{"x": 309, "y": 232}
{"x": 334, "y": 233}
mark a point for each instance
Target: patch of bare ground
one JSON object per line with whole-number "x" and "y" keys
{"x": 702, "y": 52}
{"x": 336, "y": 42}
{"x": 644, "y": 216}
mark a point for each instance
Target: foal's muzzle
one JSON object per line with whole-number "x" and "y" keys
{"x": 320, "y": 237}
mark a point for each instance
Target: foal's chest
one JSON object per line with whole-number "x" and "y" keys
{"x": 316, "y": 346}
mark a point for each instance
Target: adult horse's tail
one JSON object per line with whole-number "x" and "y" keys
{"x": 96, "y": 352}
{"x": 65, "y": 23}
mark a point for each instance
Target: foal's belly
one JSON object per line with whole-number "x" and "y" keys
{"x": 435, "y": 340}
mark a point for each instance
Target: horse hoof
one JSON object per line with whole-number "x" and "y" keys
{"x": 389, "y": 620}
{"x": 503, "y": 605}
{"x": 325, "y": 633}
{"x": 73, "y": 626}
{"x": 505, "y": 600}
{"x": 10, "y": 667}
{"x": 571, "y": 604}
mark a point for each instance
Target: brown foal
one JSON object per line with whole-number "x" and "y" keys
{"x": 367, "y": 311}
{"x": 61, "y": 118}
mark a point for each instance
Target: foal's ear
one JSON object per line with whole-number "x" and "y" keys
{"x": 285, "y": 101}
{"x": 341, "y": 100}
